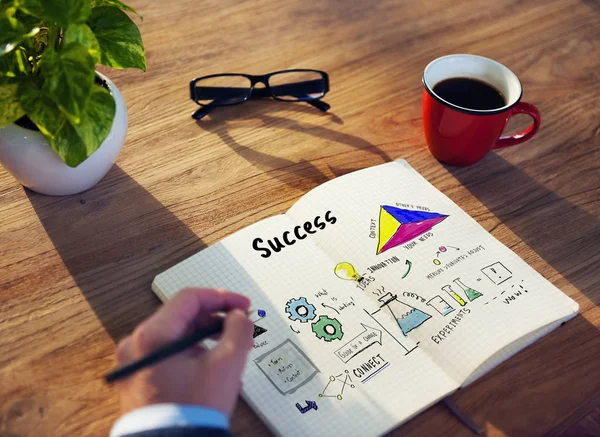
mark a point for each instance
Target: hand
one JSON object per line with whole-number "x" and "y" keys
{"x": 210, "y": 378}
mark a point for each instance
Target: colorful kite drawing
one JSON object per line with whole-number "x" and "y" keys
{"x": 398, "y": 226}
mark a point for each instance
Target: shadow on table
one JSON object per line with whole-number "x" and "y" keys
{"x": 114, "y": 239}
{"x": 544, "y": 383}
{"x": 301, "y": 175}
{"x": 565, "y": 235}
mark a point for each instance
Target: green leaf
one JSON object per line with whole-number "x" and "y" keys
{"x": 75, "y": 143}
{"x": 40, "y": 108}
{"x": 97, "y": 119}
{"x": 82, "y": 34}
{"x": 10, "y": 108}
{"x": 14, "y": 64}
{"x": 61, "y": 12}
{"x": 119, "y": 38}
{"x": 7, "y": 7}
{"x": 116, "y": 4}
{"x": 69, "y": 76}
{"x": 12, "y": 32}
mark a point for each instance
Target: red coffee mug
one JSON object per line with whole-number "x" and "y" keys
{"x": 462, "y": 136}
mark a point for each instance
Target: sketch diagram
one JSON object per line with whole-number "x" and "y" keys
{"x": 407, "y": 316}
{"x": 442, "y": 249}
{"x": 367, "y": 338}
{"x": 327, "y": 329}
{"x": 398, "y": 226}
{"x": 286, "y": 367}
{"x": 340, "y": 382}
{"x": 470, "y": 293}
{"x": 259, "y": 330}
{"x": 331, "y": 308}
{"x": 372, "y": 375}
{"x": 497, "y": 273}
{"x": 407, "y": 349}
{"x": 299, "y": 309}
{"x": 346, "y": 271}
{"x": 409, "y": 264}
{"x": 440, "y": 305}
{"x": 448, "y": 289}
{"x": 310, "y": 405}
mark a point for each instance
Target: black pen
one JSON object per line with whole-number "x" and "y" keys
{"x": 166, "y": 351}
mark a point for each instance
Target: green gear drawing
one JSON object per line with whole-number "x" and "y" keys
{"x": 327, "y": 328}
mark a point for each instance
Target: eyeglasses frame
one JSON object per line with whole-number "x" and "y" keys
{"x": 256, "y": 79}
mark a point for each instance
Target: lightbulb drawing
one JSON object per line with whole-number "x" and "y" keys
{"x": 346, "y": 271}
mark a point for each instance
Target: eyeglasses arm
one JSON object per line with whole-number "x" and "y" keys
{"x": 202, "y": 112}
{"x": 319, "y": 104}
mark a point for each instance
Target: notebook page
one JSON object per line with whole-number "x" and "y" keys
{"x": 438, "y": 278}
{"x": 320, "y": 363}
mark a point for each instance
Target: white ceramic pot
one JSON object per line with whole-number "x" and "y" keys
{"x": 28, "y": 157}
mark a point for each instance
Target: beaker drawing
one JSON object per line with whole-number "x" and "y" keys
{"x": 471, "y": 293}
{"x": 448, "y": 289}
{"x": 407, "y": 316}
{"x": 440, "y": 305}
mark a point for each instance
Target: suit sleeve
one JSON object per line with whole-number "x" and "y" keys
{"x": 182, "y": 432}
{"x": 172, "y": 420}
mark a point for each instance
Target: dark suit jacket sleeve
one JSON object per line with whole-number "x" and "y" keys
{"x": 182, "y": 432}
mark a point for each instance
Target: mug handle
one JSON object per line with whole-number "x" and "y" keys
{"x": 524, "y": 135}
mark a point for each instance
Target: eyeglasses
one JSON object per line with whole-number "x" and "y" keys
{"x": 233, "y": 89}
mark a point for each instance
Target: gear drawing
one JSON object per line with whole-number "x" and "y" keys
{"x": 300, "y": 309}
{"x": 327, "y": 329}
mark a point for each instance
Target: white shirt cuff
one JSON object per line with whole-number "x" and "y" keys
{"x": 160, "y": 416}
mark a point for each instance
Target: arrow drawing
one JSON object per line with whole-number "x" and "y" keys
{"x": 367, "y": 338}
{"x": 297, "y": 332}
{"x": 258, "y": 330}
{"x": 327, "y": 306}
{"x": 409, "y": 264}
{"x": 310, "y": 405}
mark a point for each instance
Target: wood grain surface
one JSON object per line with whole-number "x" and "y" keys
{"x": 75, "y": 272}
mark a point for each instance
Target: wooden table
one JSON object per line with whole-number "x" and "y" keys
{"x": 75, "y": 272}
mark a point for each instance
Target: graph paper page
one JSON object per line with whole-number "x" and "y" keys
{"x": 321, "y": 363}
{"x": 436, "y": 277}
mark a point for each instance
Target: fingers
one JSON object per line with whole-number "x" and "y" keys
{"x": 236, "y": 340}
{"x": 124, "y": 352}
{"x": 179, "y": 315}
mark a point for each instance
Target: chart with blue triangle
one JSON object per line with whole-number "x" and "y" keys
{"x": 398, "y": 226}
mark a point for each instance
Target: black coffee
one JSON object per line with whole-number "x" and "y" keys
{"x": 470, "y": 93}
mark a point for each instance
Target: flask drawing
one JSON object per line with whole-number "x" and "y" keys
{"x": 471, "y": 293}
{"x": 440, "y": 305}
{"x": 448, "y": 289}
{"x": 407, "y": 316}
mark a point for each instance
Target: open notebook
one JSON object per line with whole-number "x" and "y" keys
{"x": 376, "y": 296}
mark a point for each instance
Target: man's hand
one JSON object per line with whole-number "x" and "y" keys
{"x": 209, "y": 378}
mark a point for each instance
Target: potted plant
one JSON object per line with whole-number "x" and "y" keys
{"x": 62, "y": 123}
